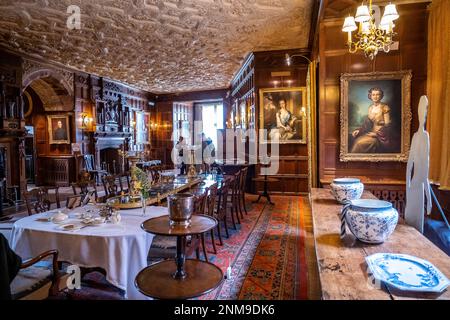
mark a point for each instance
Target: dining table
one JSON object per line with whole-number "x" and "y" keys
{"x": 120, "y": 249}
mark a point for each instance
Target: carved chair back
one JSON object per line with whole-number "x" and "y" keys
{"x": 223, "y": 198}
{"x": 37, "y": 200}
{"x": 155, "y": 172}
{"x": 212, "y": 198}
{"x": 200, "y": 201}
{"x": 74, "y": 201}
{"x": 85, "y": 184}
{"x": 110, "y": 186}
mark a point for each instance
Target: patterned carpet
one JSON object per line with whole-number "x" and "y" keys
{"x": 266, "y": 253}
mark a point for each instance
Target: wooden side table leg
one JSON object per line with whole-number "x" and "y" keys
{"x": 180, "y": 258}
{"x": 266, "y": 192}
{"x": 259, "y": 197}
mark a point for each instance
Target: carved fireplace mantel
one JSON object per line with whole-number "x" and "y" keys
{"x": 104, "y": 144}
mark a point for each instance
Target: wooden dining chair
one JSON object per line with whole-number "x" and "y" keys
{"x": 74, "y": 201}
{"x": 37, "y": 200}
{"x": 210, "y": 210}
{"x": 200, "y": 203}
{"x": 37, "y": 278}
{"x": 84, "y": 187}
{"x": 221, "y": 208}
{"x": 243, "y": 180}
{"x": 232, "y": 203}
{"x": 110, "y": 186}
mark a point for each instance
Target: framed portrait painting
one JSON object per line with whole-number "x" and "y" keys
{"x": 58, "y": 129}
{"x": 283, "y": 115}
{"x": 375, "y": 116}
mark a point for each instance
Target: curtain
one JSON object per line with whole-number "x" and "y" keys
{"x": 438, "y": 91}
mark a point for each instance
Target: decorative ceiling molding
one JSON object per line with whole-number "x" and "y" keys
{"x": 156, "y": 45}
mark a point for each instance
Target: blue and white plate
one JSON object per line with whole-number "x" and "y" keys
{"x": 407, "y": 273}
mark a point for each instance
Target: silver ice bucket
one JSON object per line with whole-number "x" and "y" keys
{"x": 181, "y": 207}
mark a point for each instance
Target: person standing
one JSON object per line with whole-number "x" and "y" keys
{"x": 180, "y": 146}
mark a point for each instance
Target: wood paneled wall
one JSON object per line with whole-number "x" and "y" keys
{"x": 293, "y": 158}
{"x": 335, "y": 59}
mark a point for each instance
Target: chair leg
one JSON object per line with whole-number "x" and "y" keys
{"x": 243, "y": 203}
{"x": 219, "y": 232}
{"x": 213, "y": 241}
{"x": 239, "y": 196}
{"x": 226, "y": 227}
{"x": 236, "y": 210}
{"x": 197, "y": 253}
{"x": 232, "y": 218}
{"x": 202, "y": 236}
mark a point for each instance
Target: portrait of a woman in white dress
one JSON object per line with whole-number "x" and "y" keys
{"x": 283, "y": 114}
{"x": 285, "y": 121}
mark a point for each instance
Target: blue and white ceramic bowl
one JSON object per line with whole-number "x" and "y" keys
{"x": 344, "y": 189}
{"x": 371, "y": 221}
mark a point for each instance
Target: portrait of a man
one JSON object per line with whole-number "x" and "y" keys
{"x": 374, "y": 116}
{"x": 283, "y": 114}
{"x": 58, "y": 129}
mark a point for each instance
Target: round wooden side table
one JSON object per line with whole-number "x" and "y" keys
{"x": 179, "y": 278}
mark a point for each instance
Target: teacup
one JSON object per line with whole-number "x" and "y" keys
{"x": 59, "y": 217}
{"x": 115, "y": 218}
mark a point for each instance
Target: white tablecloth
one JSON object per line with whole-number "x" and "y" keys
{"x": 121, "y": 249}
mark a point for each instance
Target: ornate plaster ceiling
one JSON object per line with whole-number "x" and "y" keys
{"x": 156, "y": 45}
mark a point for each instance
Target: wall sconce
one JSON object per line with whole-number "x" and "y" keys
{"x": 133, "y": 123}
{"x": 153, "y": 125}
{"x": 289, "y": 58}
{"x": 86, "y": 121}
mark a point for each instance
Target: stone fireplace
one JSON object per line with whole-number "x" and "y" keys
{"x": 106, "y": 153}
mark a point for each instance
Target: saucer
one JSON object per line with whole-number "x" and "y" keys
{"x": 93, "y": 221}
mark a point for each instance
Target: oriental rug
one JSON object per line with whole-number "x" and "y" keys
{"x": 270, "y": 264}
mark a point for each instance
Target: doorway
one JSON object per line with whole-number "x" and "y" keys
{"x": 212, "y": 116}
{"x": 29, "y": 155}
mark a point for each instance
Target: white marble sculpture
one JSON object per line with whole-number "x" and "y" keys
{"x": 418, "y": 186}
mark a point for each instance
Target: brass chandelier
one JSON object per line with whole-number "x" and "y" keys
{"x": 373, "y": 34}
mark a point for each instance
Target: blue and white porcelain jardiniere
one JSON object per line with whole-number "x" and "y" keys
{"x": 371, "y": 221}
{"x": 346, "y": 189}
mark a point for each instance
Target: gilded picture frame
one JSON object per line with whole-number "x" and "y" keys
{"x": 375, "y": 116}
{"x": 283, "y": 122}
{"x": 58, "y": 129}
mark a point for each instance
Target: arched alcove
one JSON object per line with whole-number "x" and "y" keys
{"x": 48, "y": 100}
{"x": 54, "y": 91}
